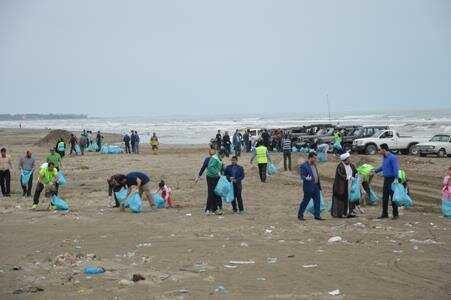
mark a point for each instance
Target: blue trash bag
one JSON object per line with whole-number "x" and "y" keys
{"x": 134, "y": 203}
{"x": 158, "y": 201}
{"x": 337, "y": 146}
{"x": 115, "y": 149}
{"x": 294, "y": 149}
{"x": 373, "y": 198}
{"x": 93, "y": 270}
{"x": 59, "y": 203}
{"x": 121, "y": 196}
{"x": 354, "y": 191}
{"x": 272, "y": 169}
{"x": 104, "y": 149}
{"x": 61, "y": 179}
{"x": 310, "y": 207}
{"x": 446, "y": 208}
{"x": 400, "y": 196}
{"x": 92, "y": 147}
{"x": 77, "y": 149}
{"x": 322, "y": 156}
{"x": 224, "y": 189}
{"x": 25, "y": 177}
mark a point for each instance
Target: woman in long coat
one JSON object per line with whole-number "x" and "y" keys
{"x": 346, "y": 171}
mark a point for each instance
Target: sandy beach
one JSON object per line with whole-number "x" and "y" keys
{"x": 265, "y": 253}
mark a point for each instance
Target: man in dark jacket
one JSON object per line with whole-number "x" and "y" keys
{"x": 127, "y": 143}
{"x": 311, "y": 185}
{"x": 235, "y": 174}
{"x": 345, "y": 173}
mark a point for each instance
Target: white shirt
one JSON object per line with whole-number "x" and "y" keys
{"x": 348, "y": 171}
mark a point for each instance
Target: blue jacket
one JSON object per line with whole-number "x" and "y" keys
{"x": 234, "y": 171}
{"x": 390, "y": 166}
{"x": 204, "y": 165}
{"x": 309, "y": 186}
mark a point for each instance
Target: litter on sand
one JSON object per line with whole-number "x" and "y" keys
{"x": 271, "y": 260}
{"x": 335, "y": 239}
{"x": 334, "y": 293}
{"x": 230, "y": 267}
{"x": 242, "y": 262}
{"x": 310, "y": 266}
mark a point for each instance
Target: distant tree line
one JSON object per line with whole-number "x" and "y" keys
{"x": 23, "y": 117}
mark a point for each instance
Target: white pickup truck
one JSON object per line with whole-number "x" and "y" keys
{"x": 396, "y": 142}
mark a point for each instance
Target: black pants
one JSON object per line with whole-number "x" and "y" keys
{"x": 262, "y": 171}
{"x": 5, "y": 182}
{"x": 26, "y": 189}
{"x": 237, "y": 188}
{"x": 127, "y": 148}
{"x": 72, "y": 149}
{"x": 287, "y": 160}
{"x": 39, "y": 188}
{"x": 61, "y": 153}
{"x": 213, "y": 200}
{"x": 388, "y": 195}
{"x": 99, "y": 145}
{"x": 238, "y": 150}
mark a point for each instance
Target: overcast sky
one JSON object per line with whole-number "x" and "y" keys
{"x": 104, "y": 57}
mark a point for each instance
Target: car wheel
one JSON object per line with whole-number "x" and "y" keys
{"x": 371, "y": 149}
{"x": 413, "y": 150}
{"x": 441, "y": 153}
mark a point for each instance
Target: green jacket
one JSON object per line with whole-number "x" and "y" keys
{"x": 214, "y": 167}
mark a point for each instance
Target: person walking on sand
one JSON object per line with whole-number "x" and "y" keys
{"x": 237, "y": 141}
{"x": 218, "y": 140}
{"x": 137, "y": 142}
{"x": 141, "y": 181}
{"x": 287, "y": 147}
{"x": 247, "y": 141}
{"x": 390, "y": 171}
{"x": 54, "y": 158}
{"x": 48, "y": 180}
{"x": 262, "y": 155}
{"x": 72, "y": 141}
{"x": 83, "y": 142}
{"x": 235, "y": 174}
{"x": 61, "y": 147}
{"x": 6, "y": 168}
{"x": 154, "y": 143}
{"x": 214, "y": 169}
{"x": 344, "y": 174}
{"x": 26, "y": 166}
{"x": 133, "y": 141}
{"x": 126, "y": 140}
{"x": 226, "y": 143}
{"x": 311, "y": 186}
{"x": 99, "y": 139}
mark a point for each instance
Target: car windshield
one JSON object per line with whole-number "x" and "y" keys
{"x": 439, "y": 138}
{"x": 357, "y": 132}
{"x": 376, "y": 133}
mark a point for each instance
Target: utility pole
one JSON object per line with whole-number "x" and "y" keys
{"x": 328, "y": 105}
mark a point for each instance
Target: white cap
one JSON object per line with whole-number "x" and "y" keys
{"x": 345, "y": 156}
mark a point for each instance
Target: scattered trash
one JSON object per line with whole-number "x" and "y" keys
{"x": 359, "y": 225}
{"x": 261, "y": 279}
{"x": 32, "y": 289}
{"x": 230, "y": 267}
{"x": 220, "y": 289}
{"x": 183, "y": 291}
{"x": 271, "y": 260}
{"x": 291, "y": 256}
{"x": 137, "y": 277}
{"x": 93, "y": 270}
{"x": 163, "y": 277}
{"x": 415, "y": 247}
{"x": 335, "y": 239}
{"x": 188, "y": 215}
{"x": 425, "y": 242}
{"x": 17, "y": 268}
{"x": 397, "y": 251}
{"x": 241, "y": 262}
{"x": 268, "y": 231}
{"x": 144, "y": 245}
{"x": 243, "y": 244}
{"x": 125, "y": 282}
{"x": 310, "y": 266}
{"x": 334, "y": 293}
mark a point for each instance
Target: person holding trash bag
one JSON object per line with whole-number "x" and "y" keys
{"x": 446, "y": 195}
{"x": 235, "y": 174}
{"x": 366, "y": 173}
{"x": 214, "y": 169}
{"x": 5, "y": 173}
{"x": 26, "y": 166}
{"x": 311, "y": 186}
{"x": 390, "y": 171}
{"x": 142, "y": 182}
{"x": 55, "y": 158}
{"x": 262, "y": 155}
{"x": 115, "y": 184}
{"x": 48, "y": 180}
{"x": 60, "y": 147}
{"x": 344, "y": 174}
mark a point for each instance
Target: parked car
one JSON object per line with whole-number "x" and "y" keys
{"x": 360, "y": 132}
{"x": 395, "y": 141}
{"x": 439, "y": 144}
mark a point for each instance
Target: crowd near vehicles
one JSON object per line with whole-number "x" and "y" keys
{"x": 395, "y": 141}
{"x": 439, "y": 144}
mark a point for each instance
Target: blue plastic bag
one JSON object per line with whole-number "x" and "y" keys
{"x": 121, "y": 195}
{"x": 400, "y": 196}
{"x": 92, "y": 147}
{"x": 104, "y": 149}
{"x": 61, "y": 179}
{"x": 310, "y": 206}
{"x": 337, "y": 146}
{"x": 354, "y": 191}
{"x": 372, "y": 197}
{"x": 294, "y": 149}
{"x": 224, "y": 189}
{"x": 59, "y": 203}
{"x": 272, "y": 169}
{"x": 115, "y": 149}
{"x": 93, "y": 270}
{"x": 25, "y": 177}
{"x": 322, "y": 156}
{"x": 134, "y": 203}
{"x": 77, "y": 149}
{"x": 158, "y": 201}
{"x": 446, "y": 208}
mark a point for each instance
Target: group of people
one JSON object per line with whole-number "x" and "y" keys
{"x": 79, "y": 145}
{"x": 132, "y": 140}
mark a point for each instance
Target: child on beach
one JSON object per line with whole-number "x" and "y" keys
{"x": 166, "y": 193}
{"x": 446, "y": 195}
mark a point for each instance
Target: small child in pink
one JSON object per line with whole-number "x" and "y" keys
{"x": 446, "y": 190}
{"x": 166, "y": 193}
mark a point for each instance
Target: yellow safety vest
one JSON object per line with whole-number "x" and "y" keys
{"x": 262, "y": 157}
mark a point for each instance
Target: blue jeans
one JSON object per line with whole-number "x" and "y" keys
{"x": 315, "y": 196}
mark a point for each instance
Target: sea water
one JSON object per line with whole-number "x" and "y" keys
{"x": 200, "y": 129}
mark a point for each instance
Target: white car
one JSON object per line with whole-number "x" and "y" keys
{"x": 395, "y": 141}
{"x": 439, "y": 144}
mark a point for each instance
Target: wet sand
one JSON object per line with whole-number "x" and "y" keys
{"x": 184, "y": 254}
